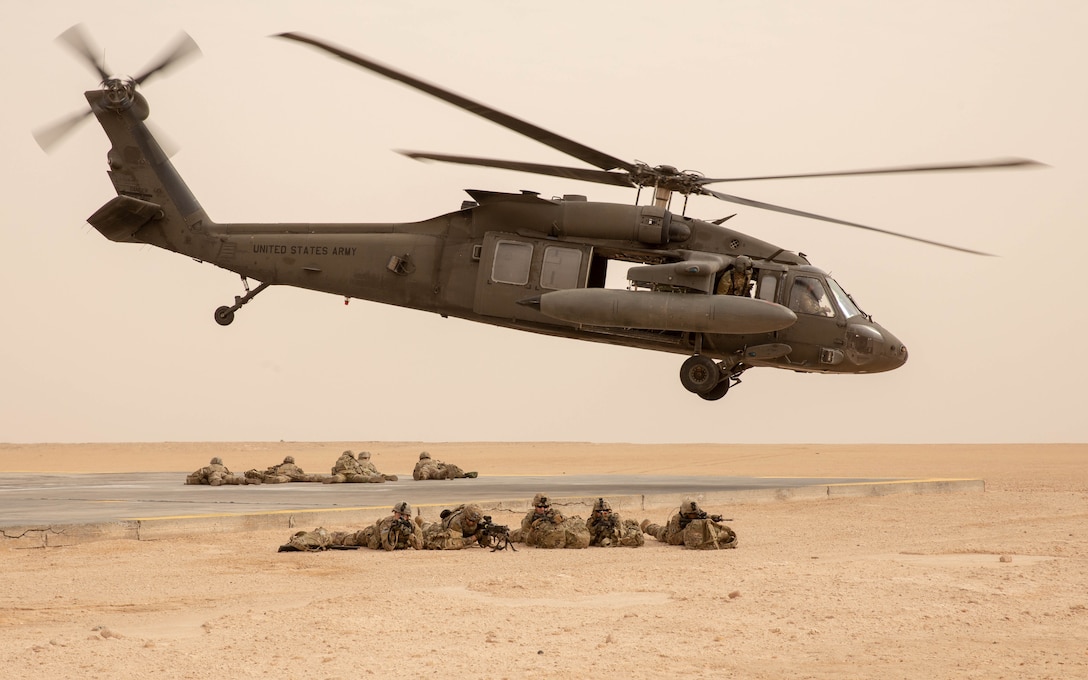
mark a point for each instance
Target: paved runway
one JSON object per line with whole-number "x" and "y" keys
{"x": 54, "y": 509}
{"x": 83, "y": 498}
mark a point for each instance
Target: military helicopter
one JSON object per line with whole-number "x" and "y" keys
{"x": 728, "y": 301}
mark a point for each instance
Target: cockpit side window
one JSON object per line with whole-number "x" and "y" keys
{"x": 807, "y": 296}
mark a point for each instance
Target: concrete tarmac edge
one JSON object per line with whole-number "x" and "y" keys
{"x": 503, "y": 512}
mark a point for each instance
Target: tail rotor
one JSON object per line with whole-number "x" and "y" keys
{"x": 120, "y": 88}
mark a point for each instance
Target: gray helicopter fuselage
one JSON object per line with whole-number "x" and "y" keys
{"x": 498, "y": 258}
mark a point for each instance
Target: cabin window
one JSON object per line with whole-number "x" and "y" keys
{"x": 807, "y": 296}
{"x": 512, "y": 262}
{"x": 560, "y": 268}
{"x": 768, "y": 286}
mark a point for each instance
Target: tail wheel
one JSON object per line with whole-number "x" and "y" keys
{"x": 224, "y": 316}
{"x": 700, "y": 374}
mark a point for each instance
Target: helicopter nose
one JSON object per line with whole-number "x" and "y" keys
{"x": 892, "y": 353}
{"x": 873, "y": 349}
{"x": 894, "y": 350}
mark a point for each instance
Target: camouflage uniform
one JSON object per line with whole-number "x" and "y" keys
{"x": 285, "y": 472}
{"x": 607, "y": 529}
{"x": 369, "y": 470}
{"x": 322, "y": 539}
{"x": 395, "y": 532}
{"x": 347, "y": 469}
{"x": 545, "y": 527}
{"x": 428, "y": 468}
{"x": 214, "y": 474}
{"x": 455, "y": 530}
{"x": 693, "y": 528}
{"x": 737, "y": 279}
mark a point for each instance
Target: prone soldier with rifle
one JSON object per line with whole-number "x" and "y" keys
{"x": 465, "y": 526}
{"x": 607, "y": 529}
{"x": 397, "y": 531}
{"x": 692, "y": 527}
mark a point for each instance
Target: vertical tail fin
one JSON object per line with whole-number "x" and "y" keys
{"x": 153, "y": 204}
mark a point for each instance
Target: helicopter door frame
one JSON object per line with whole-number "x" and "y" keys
{"x": 513, "y": 268}
{"x": 820, "y": 323}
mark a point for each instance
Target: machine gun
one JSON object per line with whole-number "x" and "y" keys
{"x": 494, "y": 536}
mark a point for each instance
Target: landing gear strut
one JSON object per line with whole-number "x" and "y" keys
{"x": 225, "y": 315}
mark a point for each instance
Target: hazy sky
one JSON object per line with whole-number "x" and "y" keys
{"x": 116, "y": 342}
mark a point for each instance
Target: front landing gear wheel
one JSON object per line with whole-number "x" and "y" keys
{"x": 224, "y": 316}
{"x": 718, "y": 391}
{"x": 700, "y": 374}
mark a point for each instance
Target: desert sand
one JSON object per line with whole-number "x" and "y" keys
{"x": 957, "y": 585}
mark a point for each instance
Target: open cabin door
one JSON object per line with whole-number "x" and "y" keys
{"x": 514, "y": 268}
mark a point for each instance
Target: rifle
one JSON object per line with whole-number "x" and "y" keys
{"x": 399, "y": 531}
{"x": 608, "y": 524}
{"x": 494, "y": 536}
{"x": 684, "y": 521}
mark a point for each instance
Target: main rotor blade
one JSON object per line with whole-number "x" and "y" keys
{"x": 76, "y": 39}
{"x": 939, "y": 167}
{"x": 800, "y": 213}
{"x": 567, "y": 146}
{"x": 184, "y": 46}
{"x": 49, "y": 136}
{"x": 584, "y": 174}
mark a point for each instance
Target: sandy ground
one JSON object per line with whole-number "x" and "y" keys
{"x": 964, "y": 585}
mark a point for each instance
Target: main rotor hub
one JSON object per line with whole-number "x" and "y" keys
{"x": 667, "y": 178}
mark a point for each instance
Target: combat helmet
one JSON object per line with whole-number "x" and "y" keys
{"x": 424, "y": 456}
{"x": 540, "y": 501}
{"x": 472, "y": 514}
{"x": 602, "y": 506}
{"x": 349, "y": 453}
{"x": 743, "y": 263}
{"x": 289, "y": 459}
{"x": 689, "y": 506}
{"x": 364, "y": 455}
{"x": 403, "y": 508}
{"x": 216, "y": 461}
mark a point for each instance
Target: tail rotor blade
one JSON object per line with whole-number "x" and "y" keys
{"x": 183, "y": 47}
{"x": 76, "y": 39}
{"x": 49, "y": 136}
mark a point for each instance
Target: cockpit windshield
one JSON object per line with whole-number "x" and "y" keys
{"x": 846, "y": 304}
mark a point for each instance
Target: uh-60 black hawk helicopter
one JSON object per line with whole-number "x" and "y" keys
{"x": 728, "y": 301}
